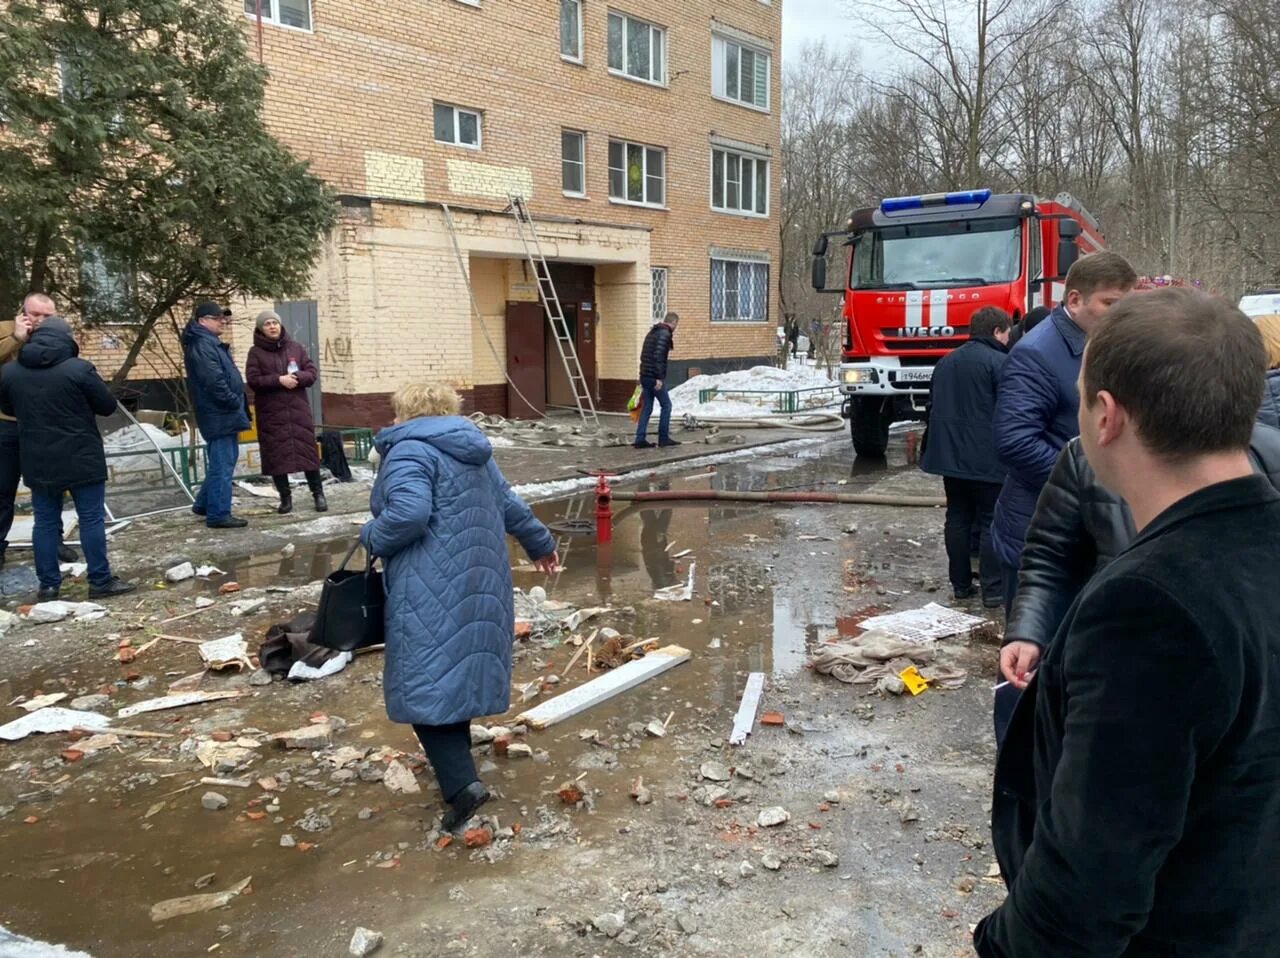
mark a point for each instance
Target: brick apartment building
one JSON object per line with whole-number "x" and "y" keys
{"x": 643, "y": 136}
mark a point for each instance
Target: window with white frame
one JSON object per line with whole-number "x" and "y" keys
{"x": 571, "y": 30}
{"x": 573, "y": 162}
{"x": 637, "y": 49}
{"x": 739, "y": 291}
{"x": 740, "y": 72}
{"x": 283, "y": 13}
{"x": 637, "y": 173}
{"x": 658, "y": 293}
{"x": 455, "y": 125}
{"x": 739, "y": 183}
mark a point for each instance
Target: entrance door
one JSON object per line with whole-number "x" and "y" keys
{"x": 526, "y": 361}
{"x": 302, "y": 323}
{"x": 581, "y": 320}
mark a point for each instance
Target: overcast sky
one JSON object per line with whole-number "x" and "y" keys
{"x": 806, "y": 20}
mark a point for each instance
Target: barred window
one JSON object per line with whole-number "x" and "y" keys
{"x": 658, "y": 293}
{"x": 739, "y": 291}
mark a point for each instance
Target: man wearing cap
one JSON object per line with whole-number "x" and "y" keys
{"x": 55, "y": 396}
{"x": 221, "y": 408}
{"x": 36, "y": 308}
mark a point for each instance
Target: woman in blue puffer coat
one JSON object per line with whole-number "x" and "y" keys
{"x": 441, "y": 514}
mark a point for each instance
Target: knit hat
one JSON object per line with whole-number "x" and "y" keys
{"x": 265, "y": 317}
{"x": 205, "y": 310}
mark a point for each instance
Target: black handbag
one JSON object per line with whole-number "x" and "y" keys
{"x": 351, "y": 607}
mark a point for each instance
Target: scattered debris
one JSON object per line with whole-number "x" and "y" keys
{"x": 601, "y": 689}
{"x": 230, "y": 651}
{"x": 825, "y": 858}
{"x": 641, "y": 793}
{"x": 208, "y": 571}
{"x": 42, "y": 701}
{"x": 180, "y": 573}
{"x": 745, "y": 720}
{"x": 247, "y": 606}
{"x": 477, "y": 837}
{"x": 610, "y": 923}
{"x": 399, "y": 780}
{"x": 195, "y": 904}
{"x": 773, "y": 816}
{"x": 364, "y": 942}
{"x": 925, "y": 624}
{"x": 715, "y": 772}
{"x": 56, "y": 611}
{"x": 214, "y": 801}
{"x": 177, "y": 701}
{"x": 771, "y": 860}
{"x": 314, "y": 736}
{"x": 228, "y": 587}
{"x": 53, "y": 719}
{"x": 776, "y": 719}
{"x": 656, "y": 729}
{"x": 678, "y": 593}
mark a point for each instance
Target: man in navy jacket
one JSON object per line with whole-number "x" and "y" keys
{"x": 222, "y": 410}
{"x": 959, "y": 448}
{"x": 1036, "y": 411}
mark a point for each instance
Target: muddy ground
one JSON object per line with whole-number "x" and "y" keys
{"x": 886, "y": 851}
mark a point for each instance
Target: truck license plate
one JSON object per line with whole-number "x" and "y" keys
{"x": 915, "y": 375}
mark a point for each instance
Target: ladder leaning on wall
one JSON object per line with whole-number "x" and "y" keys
{"x": 551, "y": 305}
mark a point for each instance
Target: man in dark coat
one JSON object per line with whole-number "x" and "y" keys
{"x": 1036, "y": 412}
{"x": 653, "y": 376}
{"x": 222, "y": 411}
{"x": 55, "y": 396}
{"x": 280, "y": 372}
{"x": 960, "y": 449}
{"x": 1155, "y": 779}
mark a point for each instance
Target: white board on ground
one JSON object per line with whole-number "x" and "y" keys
{"x": 176, "y": 701}
{"x": 53, "y": 719}
{"x": 926, "y": 624}
{"x": 744, "y": 722}
{"x": 603, "y": 688}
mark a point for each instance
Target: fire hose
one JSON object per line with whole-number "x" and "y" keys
{"x": 810, "y": 497}
{"x": 807, "y": 422}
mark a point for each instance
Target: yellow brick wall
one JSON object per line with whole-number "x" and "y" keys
{"x": 355, "y": 96}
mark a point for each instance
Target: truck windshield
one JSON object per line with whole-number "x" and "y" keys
{"x": 928, "y": 255}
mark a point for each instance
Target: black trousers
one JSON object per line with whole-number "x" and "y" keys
{"x": 313, "y": 482}
{"x": 448, "y": 749}
{"x": 9, "y": 474}
{"x": 970, "y": 505}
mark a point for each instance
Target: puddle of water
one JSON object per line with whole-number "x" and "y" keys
{"x": 94, "y": 847}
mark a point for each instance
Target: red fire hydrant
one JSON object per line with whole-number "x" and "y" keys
{"x": 604, "y": 508}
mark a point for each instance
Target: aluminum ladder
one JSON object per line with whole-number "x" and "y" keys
{"x": 555, "y": 314}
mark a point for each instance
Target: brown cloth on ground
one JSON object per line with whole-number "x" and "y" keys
{"x": 288, "y": 642}
{"x": 877, "y": 655}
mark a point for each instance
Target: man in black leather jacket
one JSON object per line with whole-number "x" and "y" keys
{"x": 1078, "y": 528}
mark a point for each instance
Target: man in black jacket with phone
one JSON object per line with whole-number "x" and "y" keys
{"x": 1150, "y": 808}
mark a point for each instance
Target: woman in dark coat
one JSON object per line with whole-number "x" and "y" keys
{"x": 280, "y": 372}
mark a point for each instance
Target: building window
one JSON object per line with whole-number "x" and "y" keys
{"x": 739, "y": 291}
{"x": 658, "y": 293}
{"x": 106, "y": 292}
{"x": 571, "y": 30}
{"x": 740, "y": 73}
{"x": 457, "y": 126}
{"x": 637, "y": 49}
{"x": 637, "y": 174}
{"x": 573, "y": 163}
{"x": 739, "y": 183}
{"x": 283, "y": 13}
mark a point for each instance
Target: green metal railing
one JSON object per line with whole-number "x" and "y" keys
{"x": 192, "y": 462}
{"x": 784, "y": 400}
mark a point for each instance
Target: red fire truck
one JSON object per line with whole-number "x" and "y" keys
{"x": 917, "y": 269}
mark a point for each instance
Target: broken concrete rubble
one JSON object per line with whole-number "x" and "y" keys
{"x": 364, "y": 942}
{"x": 399, "y": 780}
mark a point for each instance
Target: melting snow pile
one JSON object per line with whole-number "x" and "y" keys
{"x": 771, "y": 380}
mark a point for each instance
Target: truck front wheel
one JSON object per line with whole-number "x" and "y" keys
{"x": 869, "y": 421}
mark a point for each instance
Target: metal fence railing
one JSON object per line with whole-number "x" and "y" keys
{"x": 782, "y": 400}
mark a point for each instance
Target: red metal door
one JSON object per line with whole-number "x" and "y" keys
{"x": 526, "y": 361}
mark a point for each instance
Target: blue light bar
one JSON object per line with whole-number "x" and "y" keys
{"x": 968, "y": 198}
{"x": 900, "y": 204}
